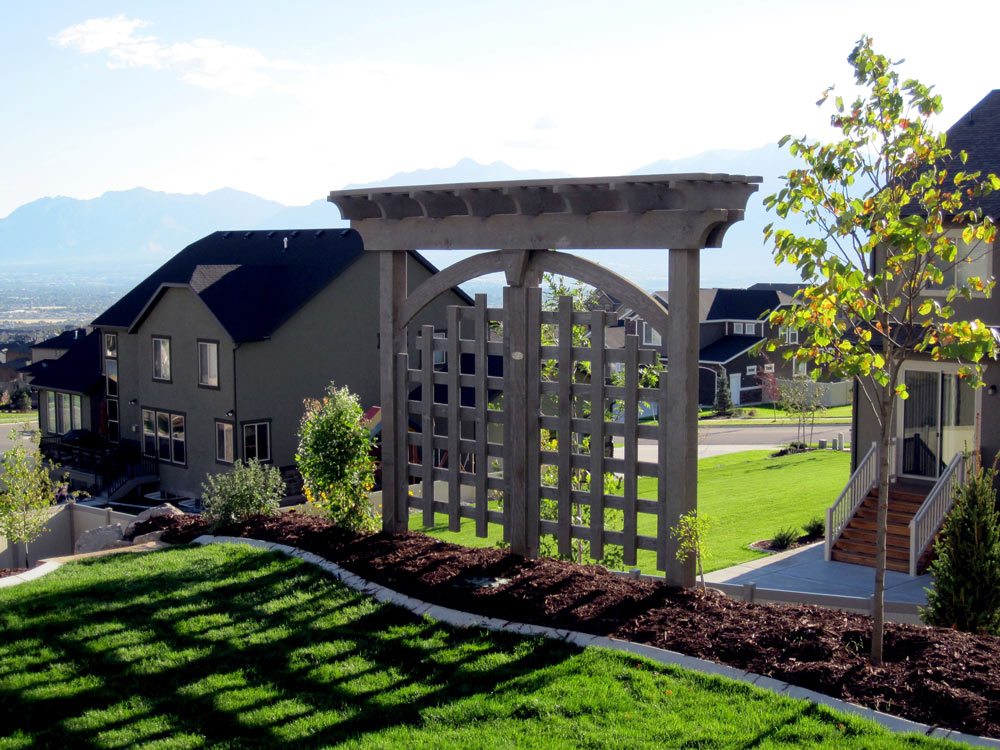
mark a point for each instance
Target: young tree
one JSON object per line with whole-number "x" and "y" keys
{"x": 335, "y": 458}
{"x": 723, "y": 406}
{"x": 690, "y": 533}
{"x": 881, "y": 202}
{"x": 26, "y": 493}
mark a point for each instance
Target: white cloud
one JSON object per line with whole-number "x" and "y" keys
{"x": 208, "y": 63}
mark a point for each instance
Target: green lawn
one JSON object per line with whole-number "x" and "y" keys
{"x": 748, "y": 496}
{"x": 17, "y": 417}
{"x": 229, "y": 647}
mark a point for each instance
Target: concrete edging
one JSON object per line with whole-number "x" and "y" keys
{"x": 29, "y": 575}
{"x": 461, "y": 619}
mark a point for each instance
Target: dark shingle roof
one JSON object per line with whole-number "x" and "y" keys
{"x": 249, "y": 280}
{"x": 734, "y": 304}
{"x": 63, "y": 341}
{"x": 977, "y": 132}
{"x": 725, "y": 349}
{"x": 78, "y": 370}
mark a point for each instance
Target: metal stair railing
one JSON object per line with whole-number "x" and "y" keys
{"x": 927, "y": 520}
{"x": 858, "y": 486}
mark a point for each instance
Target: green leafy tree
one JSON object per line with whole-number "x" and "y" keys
{"x": 335, "y": 458}
{"x": 21, "y": 400}
{"x": 249, "y": 489}
{"x": 690, "y": 532}
{"x": 26, "y": 493}
{"x": 886, "y": 206}
{"x": 966, "y": 569}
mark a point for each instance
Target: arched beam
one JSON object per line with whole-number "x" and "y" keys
{"x": 543, "y": 261}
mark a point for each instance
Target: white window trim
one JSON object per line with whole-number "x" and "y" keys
{"x": 229, "y": 438}
{"x": 769, "y": 367}
{"x": 738, "y": 328}
{"x": 256, "y": 427}
{"x": 163, "y": 341}
{"x": 986, "y": 254}
{"x": 208, "y": 347}
{"x": 751, "y": 369}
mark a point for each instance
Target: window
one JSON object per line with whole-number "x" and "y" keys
{"x": 161, "y": 358}
{"x": 791, "y": 335}
{"x": 64, "y": 412}
{"x": 650, "y": 337}
{"x": 111, "y": 376}
{"x": 224, "y": 442}
{"x": 257, "y": 441}
{"x": 111, "y": 345}
{"x": 440, "y": 355}
{"x": 799, "y": 368}
{"x": 208, "y": 364}
{"x": 50, "y": 412}
{"x": 738, "y": 328}
{"x": 751, "y": 369}
{"x": 971, "y": 261}
{"x": 76, "y": 411}
{"x": 113, "y": 430}
{"x": 750, "y": 329}
{"x": 769, "y": 367}
{"x": 164, "y": 436}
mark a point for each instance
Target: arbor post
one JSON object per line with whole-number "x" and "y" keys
{"x": 392, "y": 293}
{"x": 682, "y": 407}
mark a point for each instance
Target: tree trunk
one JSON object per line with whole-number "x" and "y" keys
{"x": 878, "y": 600}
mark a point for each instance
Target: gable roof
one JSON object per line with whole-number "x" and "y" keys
{"x": 726, "y": 349}
{"x": 977, "y": 132}
{"x": 77, "y": 371}
{"x": 63, "y": 341}
{"x": 735, "y": 304}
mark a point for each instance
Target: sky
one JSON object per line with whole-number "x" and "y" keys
{"x": 290, "y": 100}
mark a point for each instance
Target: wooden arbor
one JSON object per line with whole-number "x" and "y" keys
{"x": 525, "y": 224}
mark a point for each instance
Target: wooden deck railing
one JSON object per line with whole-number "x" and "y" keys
{"x": 926, "y": 522}
{"x": 858, "y": 487}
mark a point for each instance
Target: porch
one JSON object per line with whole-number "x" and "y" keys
{"x": 99, "y": 466}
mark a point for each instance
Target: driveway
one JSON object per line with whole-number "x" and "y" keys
{"x": 714, "y": 440}
{"x": 22, "y": 430}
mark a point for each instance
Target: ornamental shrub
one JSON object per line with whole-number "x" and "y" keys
{"x": 966, "y": 569}
{"x": 250, "y": 489}
{"x": 335, "y": 459}
{"x": 784, "y": 538}
{"x": 723, "y": 406}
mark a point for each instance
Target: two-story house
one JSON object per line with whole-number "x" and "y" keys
{"x": 209, "y": 359}
{"x": 731, "y": 323}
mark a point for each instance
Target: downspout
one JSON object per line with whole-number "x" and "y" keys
{"x": 236, "y": 419}
{"x": 854, "y": 425}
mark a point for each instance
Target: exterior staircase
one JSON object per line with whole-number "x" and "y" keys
{"x": 856, "y": 543}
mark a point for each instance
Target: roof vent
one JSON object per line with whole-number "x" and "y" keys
{"x": 319, "y": 233}
{"x": 295, "y": 233}
{"x": 285, "y": 241}
{"x": 344, "y": 232}
{"x": 270, "y": 234}
{"x": 247, "y": 235}
{"x": 225, "y": 235}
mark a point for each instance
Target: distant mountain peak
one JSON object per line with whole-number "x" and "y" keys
{"x": 464, "y": 170}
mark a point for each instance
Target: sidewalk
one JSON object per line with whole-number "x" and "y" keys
{"x": 805, "y": 571}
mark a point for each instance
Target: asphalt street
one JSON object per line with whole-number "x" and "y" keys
{"x": 715, "y": 440}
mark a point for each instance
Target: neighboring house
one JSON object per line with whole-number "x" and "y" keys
{"x": 70, "y": 388}
{"x": 56, "y": 346}
{"x": 731, "y": 323}
{"x": 942, "y": 415}
{"x": 208, "y": 359}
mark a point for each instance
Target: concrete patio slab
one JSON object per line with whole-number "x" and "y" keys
{"x": 804, "y": 570}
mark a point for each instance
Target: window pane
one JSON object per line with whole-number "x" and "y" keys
{"x": 224, "y": 442}
{"x": 110, "y": 345}
{"x": 249, "y": 441}
{"x": 76, "y": 408}
{"x": 113, "y": 409}
{"x": 161, "y": 359}
{"x": 177, "y": 432}
{"x": 113, "y": 433}
{"x": 264, "y": 441}
{"x": 208, "y": 364}
{"x": 148, "y": 432}
{"x": 163, "y": 435}
{"x": 111, "y": 368}
{"x": 64, "y": 415}
{"x": 50, "y": 412}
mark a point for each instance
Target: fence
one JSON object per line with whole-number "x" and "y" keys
{"x": 65, "y": 525}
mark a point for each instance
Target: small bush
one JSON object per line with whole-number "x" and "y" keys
{"x": 784, "y": 538}
{"x": 966, "y": 592}
{"x": 21, "y": 400}
{"x": 335, "y": 459}
{"x": 815, "y": 527}
{"x": 250, "y": 489}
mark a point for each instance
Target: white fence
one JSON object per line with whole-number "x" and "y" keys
{"x": 65, "y": 525}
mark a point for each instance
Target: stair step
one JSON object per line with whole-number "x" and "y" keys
{"x": 863, "y": 548}
{"x": 871, "y": 524}
{"x": 869, "y": 561}
{"x": 901, "y": 505}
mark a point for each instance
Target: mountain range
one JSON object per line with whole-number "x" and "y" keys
{"x": 128, "y": 233}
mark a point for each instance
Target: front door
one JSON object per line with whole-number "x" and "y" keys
{"x": 734, "y": 388}
{"x": 938, "y": 421}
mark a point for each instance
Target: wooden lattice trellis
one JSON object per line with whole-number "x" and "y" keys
{"x": 459, "y": 437}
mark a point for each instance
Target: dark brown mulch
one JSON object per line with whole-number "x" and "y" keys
{"x": 767, "y": 545}
{"x": 4, "y": 572}
{"x": 936, "y": 676}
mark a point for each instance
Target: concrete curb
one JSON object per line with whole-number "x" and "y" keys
{"x": 29, "y": 575}
{"x": 461, "y": 619}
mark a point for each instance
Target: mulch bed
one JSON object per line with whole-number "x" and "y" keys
{"x": 932, "y": 675}
{"x": 767, "y": 545}
{"x": 4, "y": 572}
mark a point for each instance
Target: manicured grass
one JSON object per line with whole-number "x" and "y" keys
{"x": 17, "y": 417}
{"x": 748, "y": 497}
{"x": 233, "y": 647}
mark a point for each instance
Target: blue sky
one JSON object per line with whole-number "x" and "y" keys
{"x": 290, "y": 100}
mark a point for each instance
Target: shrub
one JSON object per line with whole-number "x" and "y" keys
{"x": 784, "y": 538}
{"x": 690, "y": 533}
{"x": 966, "y": 592}
{"x": 723, "y": 406}
{"x": 250, "y": 489}
{"x": 335, "y": 459}
{"x": 815, "y": 527}
{"x": 21, "y": 400}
